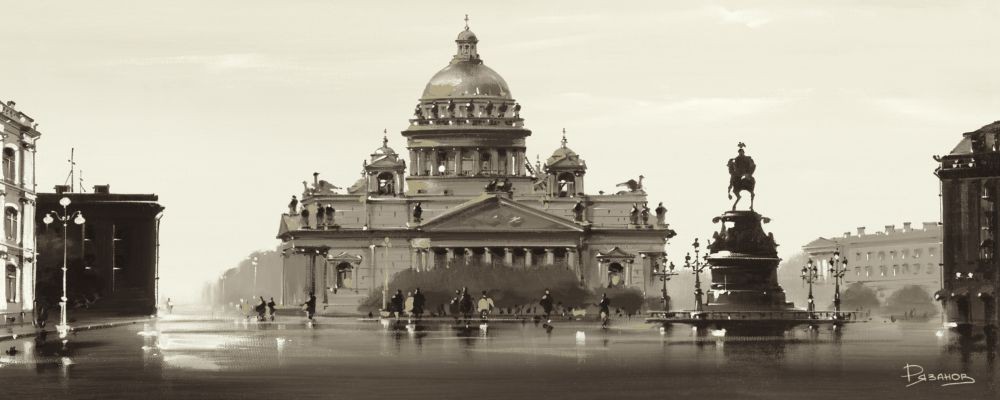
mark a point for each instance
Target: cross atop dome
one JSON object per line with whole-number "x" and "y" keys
{"x": 466, "y": 45}
{"x": 385, "y": 138}
{"x": 564, "y": 138}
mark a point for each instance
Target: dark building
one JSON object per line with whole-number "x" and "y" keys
{"x": 112, "y": 256}
{"x": 970, "y": 188}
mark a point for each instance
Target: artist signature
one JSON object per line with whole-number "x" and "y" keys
{"x": 915, "y": 374}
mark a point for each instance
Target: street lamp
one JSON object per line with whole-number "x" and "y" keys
{"x": 809, "y": 275}
{"x": 65, "y": 217}
{"x": 254, "y": 262}
{"x": 838, "y": 268}
{"x": 696, "y": 267}
{"x": 664, "y": 275}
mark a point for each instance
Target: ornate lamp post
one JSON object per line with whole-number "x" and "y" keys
{"x": 65, "y": 217}
{"x": 809, "y": 275}
{"x": 838, "y": 268}
{"x": 696, "y": 267}
{"x": 253, "y": 262}
{"x": 664, "y": 273}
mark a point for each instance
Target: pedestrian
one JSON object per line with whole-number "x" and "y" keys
{"x": 547, "y": 303}
{"x": 408, "y": 304}
{"x": 453, "y": 306}
{"x": 261, "y": 309}
{"x": 396, "y": 303}
{"x": 170, "y": 306}
{"x": 245, "y": 309}
{"x": 485, "y": 306}
{"x": 465, "y": 306}
{"x": 41, "y": 312}
{"x": 605, "y": 306}
{"x": 310, "y": 306}
{"x": 271, "y": 308}
{"x": 418, "y": 303}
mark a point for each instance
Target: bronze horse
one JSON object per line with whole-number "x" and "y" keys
{"x": 738, "y": 182}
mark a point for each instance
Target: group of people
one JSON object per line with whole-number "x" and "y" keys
{"x": 263, "y": 311}
{"x": 412, "y": 305}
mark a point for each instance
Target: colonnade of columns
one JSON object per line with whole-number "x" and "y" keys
{"x": 521, "y": 257}
{"x": 472, "y": 161}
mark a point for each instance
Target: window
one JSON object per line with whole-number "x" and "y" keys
{"x": 916, "y": 253}
{"x": 895, "y": 270}
{"x": 916, "y": 269}
{"x": 868, "y": 272}
{"x": 8, "y": 164}
{"x": 930, "y": 251}
{"x": 11, "y": 283}
{"x": 882, "y": 270}
{"x": 10, "y": 223}
{"x": 857, "y": 271}
{"x": 857, "y": 257}
{"x": 881, "y": 256}
{"x": 906, "y": 269}
{"x": 868, "y": 256}
{"x": 930, "y": 269}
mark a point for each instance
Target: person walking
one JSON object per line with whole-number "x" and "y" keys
{"x": 546, "y": 302}
{"x": 170, "y": 306}
{"x": 396, "y": 303}
{"x": 485, "y": 306}
{"x": 310, "y": 306}
{"x": 418, "y": 303}
{"x": 408, "y": 304}
{"x": 261, "y": 309}
{"x": 453, "y": 306}
{"x": 605, "y": 306}
{"x": 271, "y": 308}
{"x": 465, "y": 306}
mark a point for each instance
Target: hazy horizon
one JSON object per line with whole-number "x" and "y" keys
{"x": 223, "y": 108}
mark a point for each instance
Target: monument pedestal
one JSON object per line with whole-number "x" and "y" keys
{"x": 744, "y": 263}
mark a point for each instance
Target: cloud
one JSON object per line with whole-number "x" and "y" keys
{"x": 749, "y": 18}
{"x": 920, "y": 109}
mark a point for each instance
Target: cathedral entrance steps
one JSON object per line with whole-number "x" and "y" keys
{"x": 342, "y": 303}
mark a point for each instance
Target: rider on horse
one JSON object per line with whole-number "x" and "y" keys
{"x": 741, "y": 169}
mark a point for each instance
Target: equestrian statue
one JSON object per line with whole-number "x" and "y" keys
{"x": 741, "y": 169}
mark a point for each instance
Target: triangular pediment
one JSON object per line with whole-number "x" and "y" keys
{"x": 386, "y": 162}
{"x": 498, "y": 214}
{"x": 615, "y": 252}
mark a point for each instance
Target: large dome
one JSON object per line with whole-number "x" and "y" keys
{"x": 466, "y": 79}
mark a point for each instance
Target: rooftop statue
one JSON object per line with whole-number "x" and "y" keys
{"x": 741, "y": 170}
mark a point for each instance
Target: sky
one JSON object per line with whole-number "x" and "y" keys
{"x": 223, "y": 108}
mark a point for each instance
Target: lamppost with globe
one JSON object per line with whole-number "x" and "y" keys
{"x": 696, "y": 267}
{"x": 809, "y": 275}
{"x": 65, "y": 217}
{"x": 838, "y": 268}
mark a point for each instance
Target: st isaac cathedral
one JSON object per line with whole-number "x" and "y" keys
{"x": 468, "y": 196}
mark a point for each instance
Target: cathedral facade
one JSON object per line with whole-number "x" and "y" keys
{"x": 468, "y": 196}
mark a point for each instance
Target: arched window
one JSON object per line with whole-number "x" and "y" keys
{"x": 8, "y": 164}
{"x": 616, "y": 275}
{"x": 386, "y": 183}
{"x": 11, "y": 283}
{"x": 565, "y": 185}
{"x": 10, "y": 223}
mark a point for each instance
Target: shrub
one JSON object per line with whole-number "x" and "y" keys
{"x": 509, "y": 287}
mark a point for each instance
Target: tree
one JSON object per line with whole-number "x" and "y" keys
{"x": 858, "y": 296}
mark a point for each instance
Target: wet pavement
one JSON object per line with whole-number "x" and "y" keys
{"x": 194, "y": 357}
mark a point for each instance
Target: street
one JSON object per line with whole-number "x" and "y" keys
{"x": 192, "y": 356}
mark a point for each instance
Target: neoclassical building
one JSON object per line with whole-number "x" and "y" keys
{"x": 467, "y": 195}
{"x": 19, "y": 133}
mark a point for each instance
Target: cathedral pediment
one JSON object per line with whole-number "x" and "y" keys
{"x": 498, "y": 214}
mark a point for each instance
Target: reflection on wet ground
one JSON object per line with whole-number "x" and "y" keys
{"x": 192, "y": 358}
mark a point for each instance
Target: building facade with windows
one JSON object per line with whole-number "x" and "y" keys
{"x": 113, "y": 257}
{"x": 887, "y": 260}
{"x": 467, "y": 195}
{"x": 970, "y": 189}
{"x": 17, "y": 251}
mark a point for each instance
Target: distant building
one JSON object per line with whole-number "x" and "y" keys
{"x": 468, "y": 195}
{"x": 17, "y": 195}
{"x": 112, "y": 257}
{"x": 970, "y": 188}
{"x": 885, "y": 261}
